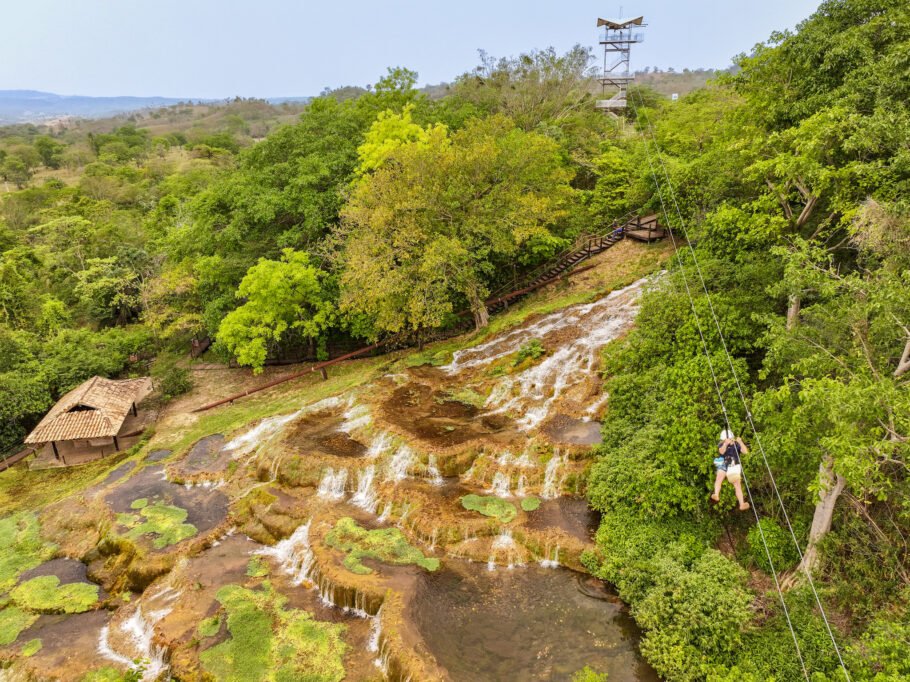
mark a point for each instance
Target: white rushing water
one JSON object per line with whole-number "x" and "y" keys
{"x": 331, "y": 487}
{"x": 400, "y": 463}
{"x": 138, "y": 633}
{"x": 524, "y": 462}
{"x": 521, "y": 486}
{"x": 365, "y": 495}
{"x": 293, "y": 554}
{"x": 386, "y": 512}
{"x": 269, "y": 427}
{"x": 433, "y": 471}
{"x": 551, "y": 477}
{"x": 531, "y": 393}
{"x": 550, "y": 560}
{"x": 356, "y": 417}
{"x": 501, "y": 485}
{"x": 380, "y": 444}
{"x": 503, "y": 543}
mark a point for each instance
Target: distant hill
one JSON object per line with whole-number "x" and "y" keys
{"x": 33, "y": 106}
{"x": 679, "y": 82}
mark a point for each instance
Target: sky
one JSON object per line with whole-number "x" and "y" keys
{"x": 273, "y": 48}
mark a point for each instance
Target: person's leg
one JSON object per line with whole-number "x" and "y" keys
{"x": 738, "y": 487}
{"x": 718, "y": 482}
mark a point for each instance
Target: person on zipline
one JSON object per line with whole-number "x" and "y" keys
{"x": 729, "y": 466}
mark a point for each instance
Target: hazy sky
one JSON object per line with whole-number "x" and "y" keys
{"x": 221, "y": 48}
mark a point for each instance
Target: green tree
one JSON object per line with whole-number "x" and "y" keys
{"x": 287, "y": 296}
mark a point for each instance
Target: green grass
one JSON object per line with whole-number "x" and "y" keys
{"x": 466, "y": 396}
{"x": 388, "y": 545}
{"x": 271, "y": 642}
{"x": 22, "y": 546}
{"x": 530, "y": 504}
{"x": 13, "y": 621}
{"x": 164, "y": 521}
{"x": 45, "y": 594}
{"x": 112, "y": 675}
{"x": 141, "y": 503}
{"x": 490, "y": 506}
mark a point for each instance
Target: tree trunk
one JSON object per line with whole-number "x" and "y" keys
{"x": 832, "y": 485}
{"x": 903, "y": 366}
{"x": 793, "y": 311}
{"x": 479, "y": 310}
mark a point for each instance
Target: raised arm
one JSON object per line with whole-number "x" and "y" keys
{"x": 742, "y": 446}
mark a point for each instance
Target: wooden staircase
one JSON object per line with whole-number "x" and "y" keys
{"x": 584, "y": 248}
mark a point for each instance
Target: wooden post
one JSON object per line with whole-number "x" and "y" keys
{"x": 324, "y": 373}
{"x": 56, "y": 452}
{"x": 116, "y": 446}
{"x": 135, "y": 411}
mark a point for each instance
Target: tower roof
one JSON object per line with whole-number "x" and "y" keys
{"x": 624, "y": 23}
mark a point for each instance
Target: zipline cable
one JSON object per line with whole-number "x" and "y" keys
{"x": 723, "y": 408}
{"x": 739, "y": 388}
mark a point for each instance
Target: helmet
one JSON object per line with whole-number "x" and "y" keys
{"x": 725, "y": 434}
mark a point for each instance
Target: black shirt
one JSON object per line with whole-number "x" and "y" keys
{"x": 731, "y": 454}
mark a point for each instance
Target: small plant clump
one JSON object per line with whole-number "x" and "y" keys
{"x": 466, "y": 396}
{"x": 31, "y": 647}
{"x": 45, "y": 594}
{"x": 388, "y": 545}
{"x": 269, "y": 641}
{"x": 162, "y": 520}
{"x": 107, "y": 674}
{"x": 530, "y": 504}
{"x": 209, "y": 627}
{"x": 257, "y": 568}
{"x": 490, "y": 506}
{"x": 529, "y": 351}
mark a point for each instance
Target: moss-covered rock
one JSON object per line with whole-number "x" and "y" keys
{"x": 209, "y": 627}
{"x": 45, "y": 594}
{"x": 164, "y": 521}
{"x": 388, "y": 545}
{"x": 269, "y": 641}
{"x": 530, "y": 504}
{"x": 13, "y": 620}
{"x": 31, "y": 647}
{"x": 490, "y": 506}
{"x": 22, "y": 546}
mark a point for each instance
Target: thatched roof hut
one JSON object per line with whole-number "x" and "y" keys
{"x": 92, "y": 411}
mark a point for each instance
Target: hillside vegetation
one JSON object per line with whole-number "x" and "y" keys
{"x": 387, "y": 212}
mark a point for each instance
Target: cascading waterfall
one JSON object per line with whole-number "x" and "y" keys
{"x": 365, "y": 495}
{"x": 294, "y": 554}
{"x": 501, "y": 485}
{"x": 331, "y": 487}
{"x": 520, "y": 487}
{"x": 265, "y": 430}
{"x": 524, "y": 461}
{"x": 504, "y": 459}
{"x": 433, "y": 471}
{"x": 375, "y": 632}
{"x": 502, "y": 543}
{"x": 380, "y": 444}
{"x": 405, "y": 510}
{"x": 548, "y": 562}
{"x": 400, "y": 464}
{"x": 386, "y": 512}
{"x": 356, "y": 417}
{"x": 532, "y": 392}
{"x": 139, "y": 631}
{"x": 551, "y": 478}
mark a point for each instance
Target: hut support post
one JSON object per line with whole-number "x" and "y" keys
{"x": 116, "y": 445}
{"x": 54, "y": 448}
{"x": 135, "y": 411}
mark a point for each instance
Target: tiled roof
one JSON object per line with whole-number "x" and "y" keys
{"x": 94, "y": 409}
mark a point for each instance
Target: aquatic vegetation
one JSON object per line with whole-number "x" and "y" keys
{"x": 586, "y": 674}
{"x": 141, "y": 503}
{"x": 163, "y": 520}
{"x": 45, "y": 594}
{"x": 388, "y": 545}
{"x": 22, "y": 545}
{"x": 31, "y": 647}
{"x": 530, "y": 504}
{"x": 257, "y": 568}
{"x": 209, "y": 627}
{"x": 13, "y": 621}
{"x": 466, "y": 396}
{"x": 490, "y": 506}
{"x": 112, "y": 675}
{"x": 530, "y": 351}
{"x": 269, "y": 641}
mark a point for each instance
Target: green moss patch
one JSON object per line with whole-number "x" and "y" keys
{"x": 388, "y": 545}
{"x": 141, "y": 503}
{"x": 13, "y": 621}
{"x": 164, "y": 521}
{"x": 257, "y": 568}
{"x": 109, "y": 675}
{"x": 45, "y": 594}
{"x": 490, "y": 506}
{"x": 31, "y": 647}
{"x": 271, "y": 642}
{"x": 530, "y": 504}
{"x": 22, "y": 546}
{"x": 209, "y": 627}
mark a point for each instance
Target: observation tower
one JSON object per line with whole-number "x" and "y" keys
{"x": 617, "y": 38}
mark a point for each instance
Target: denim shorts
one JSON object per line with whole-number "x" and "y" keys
{"x": 720, "y": 463}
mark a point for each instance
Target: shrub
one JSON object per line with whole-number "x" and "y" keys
{"x": 780, "y": 546}
{"x": 171, "y": 379}
{"x": 530, "y": 350}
